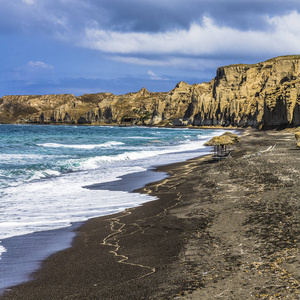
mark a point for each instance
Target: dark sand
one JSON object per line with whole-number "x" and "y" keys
{"x": 130, "y": 182}
{"x": 226, "y": 230}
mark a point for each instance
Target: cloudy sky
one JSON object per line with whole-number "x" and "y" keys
{"x": 119, "y": 46}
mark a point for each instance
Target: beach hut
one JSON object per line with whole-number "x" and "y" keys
{"x": 221, "y": 145}
{"x": 234, "y": 136}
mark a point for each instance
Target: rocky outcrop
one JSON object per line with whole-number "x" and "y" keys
{"x": 262, "y": 95}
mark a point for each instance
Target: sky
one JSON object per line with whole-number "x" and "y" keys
{"x": 118, "y": 46}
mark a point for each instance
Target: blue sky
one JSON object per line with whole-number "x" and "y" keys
{"x": 117, "y": 46}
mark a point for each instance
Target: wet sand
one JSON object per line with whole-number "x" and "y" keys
{"x": 226, "y": 230}
{"x": 26, "y": 253}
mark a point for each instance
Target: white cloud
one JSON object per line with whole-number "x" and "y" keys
{"x": 153, "y": 76}
{"x": 33, "y": 71}
{"x": 39, "y": 65}
{"x": 179, "y": 62}
{"x": 206, "y": 38}
{"x": 289, "y": 23}
{"x": 29, "y": 2}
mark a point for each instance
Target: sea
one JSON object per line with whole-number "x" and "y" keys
{"x": 52, "y": 176}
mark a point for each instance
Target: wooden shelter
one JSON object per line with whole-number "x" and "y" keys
{"x": 232, "y": 135}
{"x": 222, "y": 144}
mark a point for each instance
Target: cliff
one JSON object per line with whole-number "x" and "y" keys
{"x": 262, "y": 95}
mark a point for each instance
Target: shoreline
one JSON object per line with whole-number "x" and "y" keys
{"x": 34, "y": 248}
{"x": 26, "y": 253}
{"x": 204, "y": 238}
{"x": 230, "y": 127}
{"x": 35, "y": 254}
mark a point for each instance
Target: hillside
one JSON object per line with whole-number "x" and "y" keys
{"x": 261, "y": 95}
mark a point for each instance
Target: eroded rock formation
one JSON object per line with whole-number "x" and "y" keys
{"x": 261, "y": 95}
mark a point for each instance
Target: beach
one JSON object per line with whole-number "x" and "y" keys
{"x": 219, "y": 230}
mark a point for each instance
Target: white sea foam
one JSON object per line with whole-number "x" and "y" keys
{"x": 95, "y": 162}
{"x": 2, "y": 250}
{"x": 47, "y": 212}
{"x": 141, "y": 137}
{"x": 58, "y": 202}
{"x": 32, "y": 204}
{"x": 36, "y": 175}
{"x": 7, "y": 177}
{"x": 104, "y": 145}
{"x": 64, "y": 163}
{"x": 25, "y": 158}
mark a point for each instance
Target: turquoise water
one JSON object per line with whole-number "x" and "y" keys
{"x": 44, "y": 170}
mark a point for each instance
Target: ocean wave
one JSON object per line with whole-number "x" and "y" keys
{"x": 11, "y": 178}
{"x": 68, "y": 164}
{"x": 95, "y": 162}
{"x": 104, "y": 145}
{"x": 141, "y": 137}
{"x": 36, "y": 175}
{"x": 58, "y": 204}
{"x": 8, "y": 158}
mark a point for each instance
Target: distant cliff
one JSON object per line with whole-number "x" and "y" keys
{"x": 261, "y": 95}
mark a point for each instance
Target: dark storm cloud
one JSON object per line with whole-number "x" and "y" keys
{"x": 154, "y": 15}
{"x": 136, "y": 15}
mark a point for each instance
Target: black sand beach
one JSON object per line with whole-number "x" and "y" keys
{"x": 226, "y": 230}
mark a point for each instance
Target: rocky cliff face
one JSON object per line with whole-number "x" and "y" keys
{"x": 265, "y": 95}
